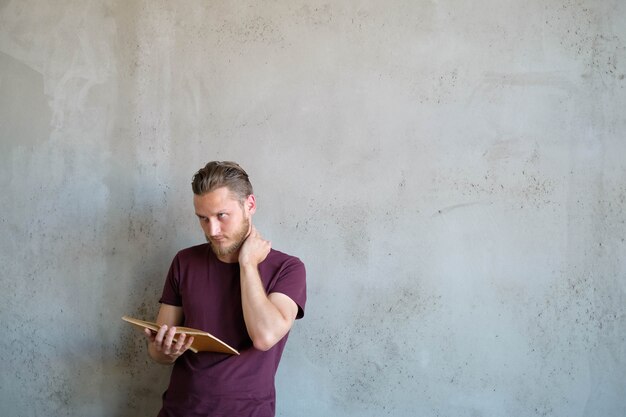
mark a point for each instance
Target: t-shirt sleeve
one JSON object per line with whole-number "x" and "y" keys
{"x": 292, "y": 282}
{"x": 171, "y": 293}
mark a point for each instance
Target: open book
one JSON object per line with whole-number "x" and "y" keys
{"x": 202, "y": 341}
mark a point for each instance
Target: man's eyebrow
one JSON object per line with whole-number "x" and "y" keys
{"x": 216, "y": 212}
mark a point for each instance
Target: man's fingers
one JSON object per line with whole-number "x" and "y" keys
{"x": 189, "y": 343}
{"x": 170, "y": 336}
{"x": 167, "y": 343}
{"x": 160, "y": 334}
{"x": 149, "y": 334}
{"x": 180, "y": 343}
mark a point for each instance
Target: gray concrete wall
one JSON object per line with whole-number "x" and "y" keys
{"x": 452, "y": 173}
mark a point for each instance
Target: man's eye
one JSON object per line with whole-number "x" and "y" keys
{"x": 221, "y": 215}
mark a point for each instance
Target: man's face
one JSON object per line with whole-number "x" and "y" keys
{"x": 226, "y": 224}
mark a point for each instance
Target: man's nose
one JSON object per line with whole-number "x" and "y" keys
{"x": 214, "y": 228}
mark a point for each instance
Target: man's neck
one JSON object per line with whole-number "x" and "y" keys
{"x": 228, "y": 259}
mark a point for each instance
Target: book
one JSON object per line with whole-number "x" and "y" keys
{"x": 202, "y": 341}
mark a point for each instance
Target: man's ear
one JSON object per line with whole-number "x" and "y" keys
{"x": 250, "y": 204}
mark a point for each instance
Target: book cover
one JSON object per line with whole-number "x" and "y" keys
{"x": 202, "y": 341}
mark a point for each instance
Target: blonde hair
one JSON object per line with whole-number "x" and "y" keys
{"x": 217, "y": 174}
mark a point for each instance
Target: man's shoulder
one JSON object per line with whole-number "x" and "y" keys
{"x": 277, "y": 258}
{"x": 276, "y": 254}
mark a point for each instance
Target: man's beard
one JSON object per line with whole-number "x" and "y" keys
{"x": 238, "y": 237}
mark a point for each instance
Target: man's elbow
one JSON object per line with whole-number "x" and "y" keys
{"x": 266, "y": 341}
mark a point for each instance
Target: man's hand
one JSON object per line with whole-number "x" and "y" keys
{"x": 254, "y": 249}
{"x": 163, "y": 346}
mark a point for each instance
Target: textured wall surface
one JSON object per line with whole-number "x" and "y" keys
{"x": 452, "y": 173}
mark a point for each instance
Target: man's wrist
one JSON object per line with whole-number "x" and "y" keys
{"x": 247, "y": 267}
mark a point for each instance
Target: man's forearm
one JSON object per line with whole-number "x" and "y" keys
{"x": 265, "y": 323}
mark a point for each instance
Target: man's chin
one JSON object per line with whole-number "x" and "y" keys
{"x": 223, "y": 250}
{"x": 216, "y": 246}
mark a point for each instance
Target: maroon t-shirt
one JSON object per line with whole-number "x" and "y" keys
{"x": 209, "y": 291}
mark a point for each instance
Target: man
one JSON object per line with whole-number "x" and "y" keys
{"x": 235, "y": 287}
